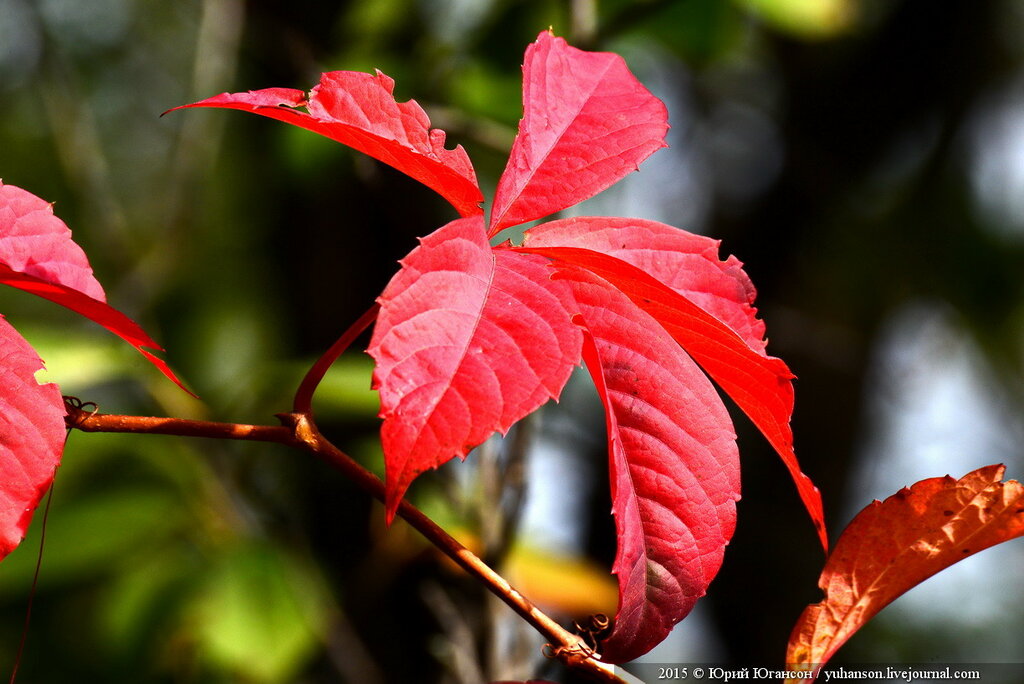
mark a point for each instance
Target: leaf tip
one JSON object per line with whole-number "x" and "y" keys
{"x": 819, "y": 525}
{"x": 390, "y": 508}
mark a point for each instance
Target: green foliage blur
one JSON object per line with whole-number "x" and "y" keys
{"x": 843, "y": 149}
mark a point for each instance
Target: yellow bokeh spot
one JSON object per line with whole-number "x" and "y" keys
{"x": 811, "y": 19}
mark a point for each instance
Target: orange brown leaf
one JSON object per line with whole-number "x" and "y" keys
{"x": 894, "y": 545}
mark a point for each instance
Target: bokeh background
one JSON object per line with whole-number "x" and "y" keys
{"x": 864, "y": 158}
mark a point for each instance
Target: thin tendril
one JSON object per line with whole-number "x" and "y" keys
{"x": 35, "y": 582}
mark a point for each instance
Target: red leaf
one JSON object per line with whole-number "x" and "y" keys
{"x": 468, "y": 341}
{"x": 760, "y": 385}
{"x": 675, "y": 473}
{"x": 31, "y": 436}
{"x": 359, "y": 110}
{"x": 894, "y": 545}
{"x": 35, "y": 242}
{"x": 96, "y": 311}
{"x": 587, "y": 122}
{"x": 37, "y": 255}
{"x": 687, "y": 263}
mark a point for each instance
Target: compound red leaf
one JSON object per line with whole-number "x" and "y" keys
{"x": 359, "y": 110}
{"x": 894, "y": 545}
{"x": 468, "y": 341}
{"x": 37, "y": 255}
{"x": 760, "y": 385}
{"x": 674, "y": 466}
{"x": 587, "y": 122}
{"x": 687, "y": 263}
{"x": 31, "y": 436}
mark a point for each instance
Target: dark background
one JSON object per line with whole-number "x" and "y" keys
{"x": 864, "y": 159}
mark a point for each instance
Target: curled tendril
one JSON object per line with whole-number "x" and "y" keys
{"x": 575, "y": 653}
{"x": 75, "y": 409}
{"x": 600, "y": 623}
{"x": 591, "y": 633}
{"x": 594, "y": 630}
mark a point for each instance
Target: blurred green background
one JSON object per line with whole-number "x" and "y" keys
{"x": 865, "y": 159}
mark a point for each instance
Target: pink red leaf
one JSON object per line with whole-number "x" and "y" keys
{"x": 37, "y": 255}
{"x": 31, "y": 436}
{"x": 35, "y": 242}
{"x": 687, "y": 263}
{"x": 587, "y": 122}
{"x": 359, "y": 110}
{"x": 894, "y": 545}
{"x": 468, "y": 341}
{"x": 760, "y": 385}
{"x": 96, "y": 311}
{"x": 674, "y": 466}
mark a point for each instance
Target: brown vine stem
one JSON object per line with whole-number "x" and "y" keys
{"x": 299, "y": 430}
{"x": 303, "y": 402}
{"x": 105, "y": 422}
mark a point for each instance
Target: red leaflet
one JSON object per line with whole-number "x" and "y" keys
{"x": 760, "y": 385}
{"x": 35, "y": 242}
{"x": 687, "y": 263}
{"x": 468, "y": 341}
{"x": 675, "y": 472}
{"x": 587, "y": 122}
{"x": 894, "y": 545}
{"x": 31, "y": 436}
{"x": 37, "y": 255}
{"x": 96, "y": 311}
{"x": 359, "y": 110}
